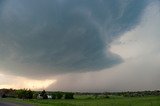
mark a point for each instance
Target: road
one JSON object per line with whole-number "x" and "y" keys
{"x": 13, "y": 104}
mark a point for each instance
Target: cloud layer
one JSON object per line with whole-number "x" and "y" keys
{"x": 58, "y": 36}
{"x": 140, "y": 50}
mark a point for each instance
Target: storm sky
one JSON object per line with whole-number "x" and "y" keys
{"x": 80, "y": 45}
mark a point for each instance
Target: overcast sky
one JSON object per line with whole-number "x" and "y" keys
{"x": 80, "y": 45}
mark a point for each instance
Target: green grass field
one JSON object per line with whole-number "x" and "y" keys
{"x": 113, "y": 101}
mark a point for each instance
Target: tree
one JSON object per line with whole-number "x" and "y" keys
{"x": 59, "y": 95}
{"x": 24, "y": 94}
{"x": 53, "y": 95}
{"x": 29, "y": 94}
{"x": 44, "y": 94}
{"x": 69, "y": 95}
{"x": 3, "y": 96}
{"x": 35, "y": 95}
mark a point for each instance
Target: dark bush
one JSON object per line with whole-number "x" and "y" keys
{"x": 7, "y": 93}
{"x": 95, "y": 95}
{"x": 3, "y": 96}
{"x": 24, "y": 94}
{"x": 59, "y": 95}
{"x": 29, "y": 94}
{"x": 44, "y": 94}
{"x": 35, "y": 95}
{"x": 106, "y": 96}
{"x": 69, "y": 96}
{"x": 53, "y": 95}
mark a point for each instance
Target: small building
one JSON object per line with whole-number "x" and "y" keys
{"x": 49, "y": 96}
{"x": 40, "y": 97}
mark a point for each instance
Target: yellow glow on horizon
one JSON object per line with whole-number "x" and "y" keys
{"x": 22, "y": 82}
{"x": 5, "y": 86}
{"x": 39, "y": 84}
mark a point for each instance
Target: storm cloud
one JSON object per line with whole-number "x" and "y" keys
{"x": 59, "y": 36}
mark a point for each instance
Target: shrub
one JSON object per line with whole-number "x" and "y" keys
{"x": 29, "y": 94}
{"x": 59, "y": 95}
{"x": 35, "y": 95}
{"x": 69, "y": 96}
{"x": 53, "y": 95}
{"x": 3, "y": 96}
{"x": 44, "y": 94}
{"x": 24, "y": 94}
{"x": 106, "y": 96}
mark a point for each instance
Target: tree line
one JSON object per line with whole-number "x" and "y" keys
{"x": 29, "y": 94}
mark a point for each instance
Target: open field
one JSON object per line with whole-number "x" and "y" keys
{"x": 113, "y": 101}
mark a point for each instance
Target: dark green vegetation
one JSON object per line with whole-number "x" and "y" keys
{"x": 28, "y": 94}
{"x": 143, "y": 98}
{"x": 24, "y": 94}
{"x": 112, "y": 101}
{"x": 43, "y": 94}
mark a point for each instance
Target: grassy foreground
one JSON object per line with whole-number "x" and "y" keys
{"x": 113, "y": 101}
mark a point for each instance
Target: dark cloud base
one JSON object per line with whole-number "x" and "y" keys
{"x": 58, "y": 36}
